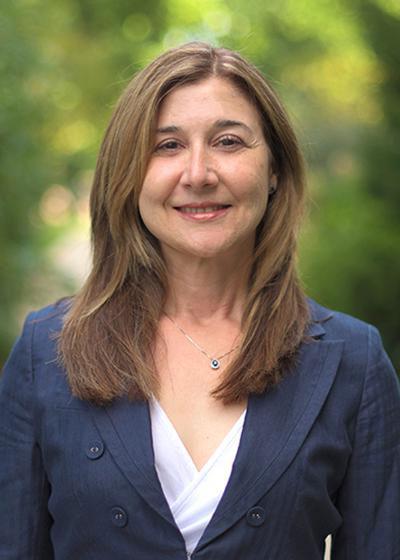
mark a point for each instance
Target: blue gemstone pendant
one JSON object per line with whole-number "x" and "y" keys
{"x": 214, "y": 363}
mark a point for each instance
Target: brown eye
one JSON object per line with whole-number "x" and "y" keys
{"x": 229, "y": 141}
{"x": 168, "y": 146}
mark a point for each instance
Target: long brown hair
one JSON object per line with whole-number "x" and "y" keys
{"x": 109, "y": 329}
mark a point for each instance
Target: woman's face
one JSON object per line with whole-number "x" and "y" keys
{"x": 206, "y": 186}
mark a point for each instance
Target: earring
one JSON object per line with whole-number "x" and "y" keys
{"x": 272, "y": 189}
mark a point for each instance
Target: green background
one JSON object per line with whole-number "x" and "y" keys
{"x": 336, "y": 64}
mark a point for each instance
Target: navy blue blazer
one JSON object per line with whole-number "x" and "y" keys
{"x": 319, "y": 455}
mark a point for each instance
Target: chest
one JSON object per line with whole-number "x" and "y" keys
{"x": 201, "y": 422}
{"x": 186, "y": 382}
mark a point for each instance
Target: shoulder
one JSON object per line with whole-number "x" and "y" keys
{"x": 335, "y": 322}
{"x": 362, "y": 348}
{"x": 46, "y": 322}
{"x": 41, "y": 329}
{"x": 335, "y": 325}
{"x": 37, "y": 344}
{"x": 49, "y": 317}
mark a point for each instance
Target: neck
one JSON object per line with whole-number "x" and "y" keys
{"x": 206, "y": 290}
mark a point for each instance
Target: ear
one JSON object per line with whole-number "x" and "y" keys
{"x": 273, "y": 183}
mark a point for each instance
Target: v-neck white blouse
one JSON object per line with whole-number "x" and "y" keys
{"x": 192, "y": 495}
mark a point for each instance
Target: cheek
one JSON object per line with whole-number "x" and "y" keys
{"x": 152, "y": 192}
{"x": 257, "y": 202}
{"x": 143, "y": 203}
{"x": 147, "y": 205}
{"x": 156, "y": 191}
{"x": 255, "y": 189}
{"x": 162, "y": 175}
{"x": 253, "y": 174}
{"x": 260, "y": 208}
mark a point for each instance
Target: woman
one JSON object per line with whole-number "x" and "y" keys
{"x": 189, "y": 401}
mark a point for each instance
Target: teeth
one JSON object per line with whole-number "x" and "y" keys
{"x": 200, "y": 210}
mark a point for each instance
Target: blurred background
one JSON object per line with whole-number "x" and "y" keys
{"x": 335, "y": 63}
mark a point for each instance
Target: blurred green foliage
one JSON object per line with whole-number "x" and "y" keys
{"x": 336, "y": 65}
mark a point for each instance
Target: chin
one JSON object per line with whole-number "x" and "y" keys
{"x": 210, "y": 251}
{"x": 210, "y": 247}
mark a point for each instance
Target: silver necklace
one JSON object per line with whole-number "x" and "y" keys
{"x": 214, "y": 362}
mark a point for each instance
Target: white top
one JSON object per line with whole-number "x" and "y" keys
{"x": 192, "y": 495}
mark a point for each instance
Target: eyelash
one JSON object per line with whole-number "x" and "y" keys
{"x": 235, "y": 141}
{"x": 164, "y": 146}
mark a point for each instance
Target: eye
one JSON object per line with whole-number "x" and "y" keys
{"x": 229, "y": 141}
{"x": 168, "y": 146}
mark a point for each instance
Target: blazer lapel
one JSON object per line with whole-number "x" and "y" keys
{"x": 276, "y": 425}
{"x": 126, "y": 430}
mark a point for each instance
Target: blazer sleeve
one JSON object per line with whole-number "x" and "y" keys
{"x": 24, "y": 519}
{"x": 369, "y": 499}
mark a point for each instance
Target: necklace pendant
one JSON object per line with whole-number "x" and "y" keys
{"x": 214, "y": 363}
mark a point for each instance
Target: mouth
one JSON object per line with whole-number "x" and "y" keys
{"x": 203, "y": 211}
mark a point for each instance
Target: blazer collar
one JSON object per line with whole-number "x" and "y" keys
{"x": 319, "y": 316}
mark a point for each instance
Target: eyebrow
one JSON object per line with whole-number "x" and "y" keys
{"x": 220, "y": 124}
{"x": 227, "y": 123}
{"x": 168, "y": 129}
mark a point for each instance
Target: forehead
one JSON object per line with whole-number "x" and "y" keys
{"x": 209, "y": 99}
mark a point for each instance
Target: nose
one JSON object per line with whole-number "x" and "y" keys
{"x": 199, "y": 171}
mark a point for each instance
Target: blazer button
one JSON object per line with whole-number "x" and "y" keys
{"x": 255, "y": 516}
{"x": 95, "y": 449}
{"x": 119, "y": 517}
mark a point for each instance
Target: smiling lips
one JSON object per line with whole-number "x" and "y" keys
{"x": 203, "y": 211}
